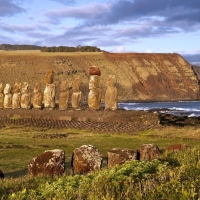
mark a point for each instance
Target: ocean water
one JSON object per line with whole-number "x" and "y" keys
{"x": 180, "y": 108}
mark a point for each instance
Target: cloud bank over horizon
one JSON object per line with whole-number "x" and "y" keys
{"x": 113, "y": 25}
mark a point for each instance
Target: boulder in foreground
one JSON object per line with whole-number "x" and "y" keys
{"x": 118, "y": 156}
{"x": 85, "y": 159}
{"x": 51, "y": 162}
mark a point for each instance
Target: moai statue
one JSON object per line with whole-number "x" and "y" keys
{"x": 77, "y": 94}
{"x": 1, "y": 95}
{"x": 111, "y": 96}
{"x": 49, "y": 96}
{"x": 49, "y": 91}
{"x": 37, "y": 96}
{"x": 26, "y": 96}
{"x": 7, "y": 96}
{"x": 63, "y": 95}
{"x": 16, "y": 96}
{"x": 94, "y": 96}
{"x": 49, "y": 77}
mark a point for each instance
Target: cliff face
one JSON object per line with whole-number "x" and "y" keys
{"x": 139, "y": 76}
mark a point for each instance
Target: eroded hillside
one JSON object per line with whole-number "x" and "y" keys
{"x": 140, "y": 76}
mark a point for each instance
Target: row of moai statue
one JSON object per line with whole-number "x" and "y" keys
{"x": 25, "y": 100}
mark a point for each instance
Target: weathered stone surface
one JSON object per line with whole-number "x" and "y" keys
{"x": 111, "y": 96}
{"x": 26, "y": 96}
{"x": 178, "y": 147}
{"x": 16, "y": 98}
{"x": 49, "y": 77}
{"x": 64, "y": 95}
{"x": 37, "y": 96}
{"x": 49, "y": 96}
{"x": 1, "y": 95}
{"x": 93, "y": 70}
{"x": 94, "y": 96}
{"x": 149, "y": 152}
{"x": 118, "y": 156}
{"x": 77, "y": 94}
{"x": 7, "y": 96}
{"x": 51, "y": 162}
{"x": 85, "y": 159}
{"x": 1, "y": 175}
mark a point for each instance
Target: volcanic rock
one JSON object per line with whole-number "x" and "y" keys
{"x": 51, "y": 162}
{"x": 85, "y": 159}
{"x": 63, "y": 95}
{"x": 149, "y": 152}
{"x": 26, "y": 96}
{"x": 49, "y": 96}
{"x": 16, "y": 98}
{"x": 118, "y": 156}
{"x": 7, "y": 96}
{"x": 1, "y": 95}
{"x": 37, "y": 96}
{"x": 94, "y": 71}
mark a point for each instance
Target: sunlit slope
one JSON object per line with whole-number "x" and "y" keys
{"x": 140, "y": 76}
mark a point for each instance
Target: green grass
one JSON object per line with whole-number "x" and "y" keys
{"x": 18, "y": 145}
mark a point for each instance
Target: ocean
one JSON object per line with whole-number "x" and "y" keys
{"x": 180, "y": 108}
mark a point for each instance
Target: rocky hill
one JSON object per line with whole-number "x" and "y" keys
{"x": 141, "y": 77}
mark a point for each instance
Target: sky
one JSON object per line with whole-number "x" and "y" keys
{"x": 151, "y": 26}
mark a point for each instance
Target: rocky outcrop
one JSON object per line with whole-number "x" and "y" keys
{"x": 85, "y": 159}
{"x": 51, "y": 162}
{"x": 140, "y": 76}
{"x": 118, "y": 156}
{"x": 148, "y": 152}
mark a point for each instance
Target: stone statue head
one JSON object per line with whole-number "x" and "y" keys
{"x": 7, "y": 89}
{"x": 64, "y": 86}
{"x": 49, "y": 77}
{"x": 94, "y": 82}
{"x": 37, "y": 87}
{"x": 111, "y": 81}
{"x": 76, "y": 84}
{"x": 25, "y": 88}
{"x": 16, "y": 88}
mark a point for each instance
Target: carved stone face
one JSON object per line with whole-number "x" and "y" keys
{"x": 94, "y": 82}
{"x": 64, "y": 85}
{"x": 25, "y": 88}
{"x": 76, "y": 84}
{"x": 16, "y": 88}
{"x": 7, "y": 88}
{"x": 111, "y": 81}
{"x": 37, "y": 87}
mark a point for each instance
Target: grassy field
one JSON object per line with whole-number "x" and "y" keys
{"x": 18, "y": 145}
{"x": 173, "y": 176}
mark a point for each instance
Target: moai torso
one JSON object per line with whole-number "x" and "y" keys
{"x": 7, "y": 96}
{"x": 63, "y": 95}
{"x": 26, "y": 96}
{"x": 111, "y": 96}
{"x": 37, "y": 96}
{"x": 76, "y": 95}
{"x": 1, "y": 95}
{"x": 49, "y": 96}
{"x": 16, "y": 96}
{"x": 94, "y": 96}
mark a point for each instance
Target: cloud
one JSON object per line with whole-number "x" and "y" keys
{"x": 192, "y": 58}
{"x": 9, "y": 8}
{"x": 66, "y": 2}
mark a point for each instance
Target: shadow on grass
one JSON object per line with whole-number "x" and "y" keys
{"x": 16, "y": 174}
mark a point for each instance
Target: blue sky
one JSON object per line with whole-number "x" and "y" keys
{"x": 164, "y": 26}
